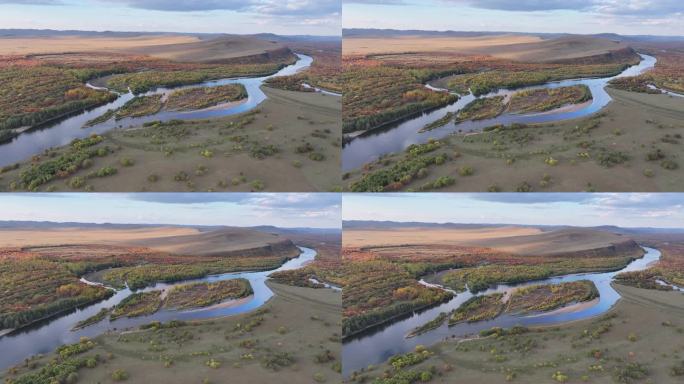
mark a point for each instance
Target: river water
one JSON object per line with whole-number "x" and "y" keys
{"x": 380, "y": 344}
{"x": 395, "y": 138}
{"x": 45, "y": 336}
{"x": 63, "y": 132}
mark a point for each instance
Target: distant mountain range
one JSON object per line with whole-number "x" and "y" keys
{"x": 7, "y": 224}
{"x": 371, "y": 32}
{"x": 358, "y": 224}
{"x": 53, "y": 32}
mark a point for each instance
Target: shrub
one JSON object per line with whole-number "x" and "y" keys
{"x": 305, "y": 148}
{"x": 91, "y": 363}
{"x": 277, "y": 360}
{"x": 263, "y": 151}
{"x": 127, "y": 162}
{"x": 316, "y": 156}
{"x": 106, "y": 171}
{"x": 119, "y": 375}
{"x": 678, "y": 370}
{"x": 669, "y": 164}
{"x": 608, "y": 158}
{"x": 655, "y": 155}
{"x": 153, "y": 178}
{"x": 560, "y": 377}
{"x": 72, "y": 378}
{"x": 87, "y": 163}
{"x": 213, "y": 363}
{"x": 443, "y": 181}
{"x": 76, "y": 182}
{"x": 466, "y": 170}
{"x": 257, "y": 185}
{"x": 181, "y": 176}
{"x": 524, "y": 187}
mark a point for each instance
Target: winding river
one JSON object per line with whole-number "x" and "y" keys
{"x": 379, "y": 345}
{"x": 371, "y": 145}
{"x": 45, "y": 336}
{"x": 63, "y": 132}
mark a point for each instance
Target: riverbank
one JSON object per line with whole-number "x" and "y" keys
{"x": 379, "y": 346}
{"x": 373, "y": 145}
{"x": 607, "y": 151}
{"x": 265, "y": 149}
{"x": 637, "y": 332}
{"x": 287, "y": 341}
{"x": 61, "y": 329}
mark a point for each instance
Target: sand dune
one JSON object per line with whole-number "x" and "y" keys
{"x": 530, "y": 241}
{"x": 172, "y": 47}
{"x": 371, "y": 45}
{"x": 218, "y": 49}
{"x": 527, "y": 48}
{"x": 176, "y": 240}
{"x": 60, "y": 44}
{"x": 418, "y": 235}
{"x": 558, "y": 242}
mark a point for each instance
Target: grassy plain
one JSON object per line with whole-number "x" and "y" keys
{"x": 636, "y": 137}
{"x": 382, "y": 88}
{"x": 638, "y": 340}
{"x": 294, "y": 337}
{"x": 614, "y": 150}
{"x": 382, "y": 266}
{"x": 288, "y": 143}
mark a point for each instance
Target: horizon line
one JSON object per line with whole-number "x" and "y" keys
{"x": 502, "y": 31}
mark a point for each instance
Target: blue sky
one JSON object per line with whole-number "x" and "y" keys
{"x": 286, "y": 17}
{"x": 630, "y": 17}
{"x": 665, "y": 210}
{"x": 320, "y": 210}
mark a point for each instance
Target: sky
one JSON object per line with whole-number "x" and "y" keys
{"x": 662, "y": 210}
{"x": 284, "y": 17}
{"x": 285, "y": 210}
{"x": 627, "y": 17}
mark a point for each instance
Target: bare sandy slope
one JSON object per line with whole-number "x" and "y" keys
{"x": 172, "y": 47}
{"x": 399, "y": 236}
{"x": 552, "y": 242}
{"x": 59, "y": 44}
{"x": 512, "y": 239}
{"x": 371, "y": 45}
{"x": 210, "y": 50}
{"x": 553, "y": 49}
{"x": 178, "y": 240}
{"x": 513, "y": 47}
{"x": 215, "y": 242}
{"x": 22, "y": 237}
